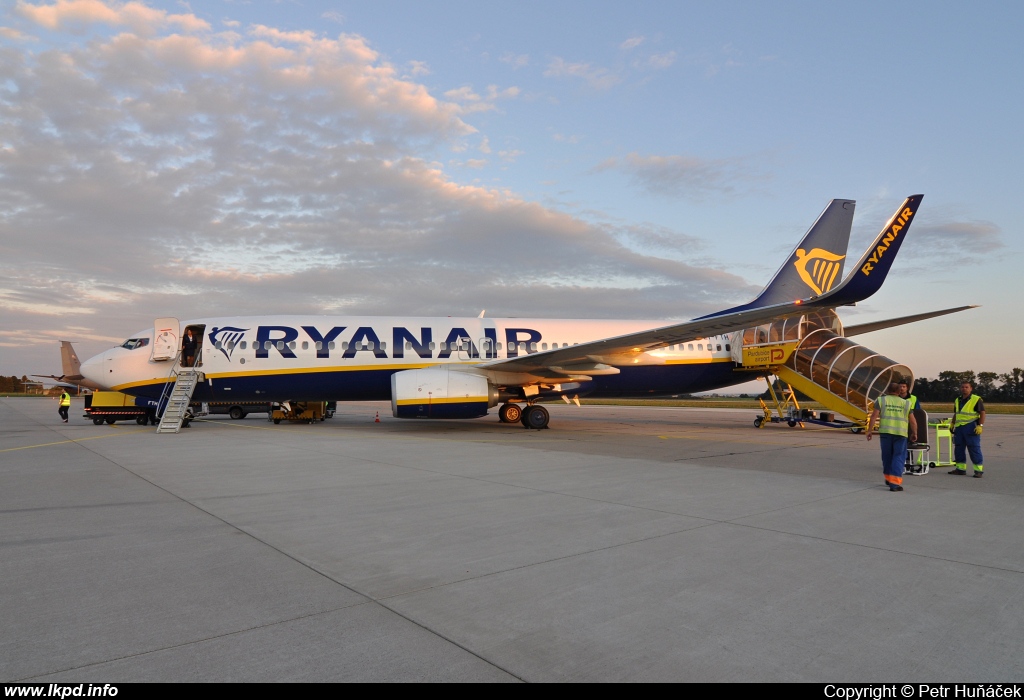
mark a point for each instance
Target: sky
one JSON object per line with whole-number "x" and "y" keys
{"x": 565, "y": 160}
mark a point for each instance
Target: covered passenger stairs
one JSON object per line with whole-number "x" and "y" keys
{"x": 811, "y": 355}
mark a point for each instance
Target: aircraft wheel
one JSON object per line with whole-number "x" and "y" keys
{"x": 277, "y": 421}
{"x": 97, "y": 421}
{"x": 758, "y": 421}
{"x": 792, "y": 423}
{"x": 236, "y": 413}
{"x": 510, "y": 413}
{"x": 536, "y": 417}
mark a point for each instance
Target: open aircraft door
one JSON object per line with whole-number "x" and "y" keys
{"x": 165, "y": 339}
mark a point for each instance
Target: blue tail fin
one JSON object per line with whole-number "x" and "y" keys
{"x": 815, "y": 265}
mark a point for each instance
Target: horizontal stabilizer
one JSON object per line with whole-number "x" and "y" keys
{"x": 861, "y": 328}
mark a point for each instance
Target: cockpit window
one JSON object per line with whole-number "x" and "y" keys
{"x": 133, "y": 343}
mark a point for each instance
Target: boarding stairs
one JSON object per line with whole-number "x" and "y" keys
{"x": 177, "y": 402}
{"x": 811, "y": 354}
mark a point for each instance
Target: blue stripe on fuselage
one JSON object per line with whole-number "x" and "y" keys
{"x": 375, "y": 384}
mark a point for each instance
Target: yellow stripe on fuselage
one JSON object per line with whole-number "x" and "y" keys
{"x": 378, "y": 368}
{"x": 457, "y": 399}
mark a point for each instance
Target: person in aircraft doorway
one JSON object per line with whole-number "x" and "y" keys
{"x": 894, "y": 421}
{"x": 188, "y": 349}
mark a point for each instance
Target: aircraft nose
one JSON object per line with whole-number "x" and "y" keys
{"x": 92, "y": 369}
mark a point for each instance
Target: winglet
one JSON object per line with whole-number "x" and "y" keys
{"x": 874, "y": 265}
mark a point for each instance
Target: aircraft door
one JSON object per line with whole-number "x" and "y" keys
{"x": 165, "y": 339}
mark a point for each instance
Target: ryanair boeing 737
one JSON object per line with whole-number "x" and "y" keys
{"x": 461, "y": 367}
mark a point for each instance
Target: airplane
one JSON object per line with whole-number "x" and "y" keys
{"x": 462, "y": 367}
{"x": 72, "y": 377}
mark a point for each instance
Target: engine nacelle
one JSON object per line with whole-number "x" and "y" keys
{"x": 438, "y": 392}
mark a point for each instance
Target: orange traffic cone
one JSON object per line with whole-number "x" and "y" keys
{"x": 376, "y": 418}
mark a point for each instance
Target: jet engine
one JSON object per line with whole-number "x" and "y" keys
{"x": 438, "y": 392}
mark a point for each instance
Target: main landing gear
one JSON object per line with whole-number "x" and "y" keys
{"x": 510, "y": 413}
{"x": 535, "y": 417}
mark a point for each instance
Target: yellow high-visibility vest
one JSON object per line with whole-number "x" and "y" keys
{"x": 65, "y": 399}
{"x": 966, "y": 414}
{"x": 893, "y": 415}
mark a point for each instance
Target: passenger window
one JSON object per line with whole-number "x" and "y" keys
{"x": 431, "y": 345}
{"x": 511, "y": 347}
{"x": 718, "y": 347}
{"x": 217, "y": 345}
{"x": 383, "y": 346}
{"x": 319, "y": 345}
{"x": 408, "y": 345}
{"x": 292, "y": 345}
{"x": 280, "y": 345}
{"x": 700, "y": 346}
{"x": 690, "y": 347}
{"x": 242, "y": 345}
{"x": 498, "y": 346}
{"x": 533, "y": 347}
{"x": 305, "y": 345}
{"x": 544, "y": 346}
{"x": 728, "y": 348}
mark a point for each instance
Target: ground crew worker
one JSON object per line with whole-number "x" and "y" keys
{"x": 907, "y": 396}
{"x": 968, "y": 420}
{"x": 894, "y": 421}
{"x": 65, "y": 404}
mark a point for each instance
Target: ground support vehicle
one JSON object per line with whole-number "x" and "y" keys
{"x": 298, "y": 411}
{"x": 111, "y": 406}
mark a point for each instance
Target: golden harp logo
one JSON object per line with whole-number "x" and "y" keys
{"x": 818, "y": 269}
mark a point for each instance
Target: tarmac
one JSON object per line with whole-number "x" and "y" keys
{"x": 622, "y": 544}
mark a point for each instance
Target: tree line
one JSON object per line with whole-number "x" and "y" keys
{"x": 991, "y": 386}
{"x": 14, "y": 385}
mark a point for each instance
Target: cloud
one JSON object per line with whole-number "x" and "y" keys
{"x": 12, "y": 34}
{"x": 67, "y": 13}
{"x": 471, "y": 101}
{"x": 680, "y": 176}
{"x": 596, "y": 77}
{"x": 417, "y": 68}
{"x": 515, "y": 60}
{"x": 631, "y": 43}
{"x": 571, "y": 138}
{"x": 662, "y": 60}
{"x": 334, "y": 16}
{"x": 157, "y": 173}
{"x": 952, "y": 243}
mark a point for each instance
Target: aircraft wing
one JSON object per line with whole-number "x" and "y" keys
{"x": 864, "y": 281}
{"x": 893, "y": 322}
